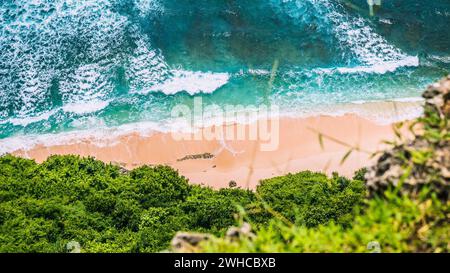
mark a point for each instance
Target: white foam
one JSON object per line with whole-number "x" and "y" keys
{"x": 145, "y": 67}
{"x": 386, "y": 21}
{"x": 382, "y": 67}
{"x": 410, "y": 99}
{"x": 87, "y": 122}
{"x": 85, "y": 107}
{"x": 101, "y": 136}
{"x": 379, "y": 112}
{"x": 259, "y": 72}
{"x": 82, "y": 107}
{"x": 355, "y": 34}
{"x": 147, "y": 7}
{"x": 192, "y": 82}
{"x": 44, "y": 39}
{"x": 29, "y": 120}
{"x": 440, "y": 58}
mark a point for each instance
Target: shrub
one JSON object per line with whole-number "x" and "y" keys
{"x": 68, "y": 198}
{"x": 310, "y": 199}
{"x": 159, "y": 186}
{"x": 390, "y": 224}
{"x": 212, "y": 210}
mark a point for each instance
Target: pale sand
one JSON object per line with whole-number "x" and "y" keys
{"x": 299, "y": 149}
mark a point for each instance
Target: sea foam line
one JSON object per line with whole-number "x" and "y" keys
{"x": 192, "y": 82}
{"x": 85, "y": 107}
{"x": 103, "y": 136}
{"x": 380, "y": 112}
{"x": 80, "y": 108}
{"x": 383, "y": 67}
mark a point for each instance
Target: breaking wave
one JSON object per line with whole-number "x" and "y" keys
{"x": 127, "y": 61}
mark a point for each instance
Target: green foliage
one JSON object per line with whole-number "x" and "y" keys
{"x": 312, "y": 199}
{"x": 359, "y": 174}
{"x": 68, "y": 198}
{"x": 408, "y": 210}
{"x": 157, "y": 227}
{"x": 419, "y": 158}
{"x": 159, "y": 186}
{"x": 206, "y": 207}
{"x": 393, "y": 223}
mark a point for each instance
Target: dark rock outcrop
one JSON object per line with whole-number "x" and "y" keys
{"x": 197, "y": 156}
{"x": 235, "y": 233}
{"x": 424, "y": 160}
{"x": 189, "y": 242}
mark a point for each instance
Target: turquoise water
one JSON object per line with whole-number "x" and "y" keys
{"x": 75, "y": 65}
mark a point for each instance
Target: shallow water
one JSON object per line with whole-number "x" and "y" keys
{"x": 74, "y": 65}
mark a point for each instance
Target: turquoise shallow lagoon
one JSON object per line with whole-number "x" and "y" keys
{"x": 67, "y": 66}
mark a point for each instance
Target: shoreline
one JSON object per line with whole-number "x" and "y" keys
{"x": 215, "y": 163}
{"x": 380, "y": 112}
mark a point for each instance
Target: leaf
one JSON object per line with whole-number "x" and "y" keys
{"x": 346, "y": 156}
{"x": 396, "y": 129}
{"x": 392, "y": 143}
{"x": 321, "y": 142}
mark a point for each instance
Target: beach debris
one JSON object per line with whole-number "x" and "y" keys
{"x": 197, "y": 156}
{"x": 424, "y": 160}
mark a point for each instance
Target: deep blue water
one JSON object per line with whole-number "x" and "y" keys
{"x": 72, "y": 65}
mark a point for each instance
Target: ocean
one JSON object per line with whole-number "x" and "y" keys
{"x": 78, "y": 67}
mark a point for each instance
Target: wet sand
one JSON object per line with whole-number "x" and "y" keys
{"x": 216, "y": 162}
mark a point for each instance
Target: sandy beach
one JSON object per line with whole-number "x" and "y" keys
{"x": 215, "y": 163}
